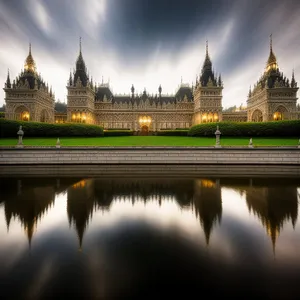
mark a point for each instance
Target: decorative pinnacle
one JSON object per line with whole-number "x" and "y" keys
{"x": 271, "y": 42}
{"x": 29, "y": 48}
{"x": 206, "y": 47}
{"x": 80, "y": 45}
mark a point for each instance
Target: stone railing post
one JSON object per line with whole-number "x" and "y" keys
{"x": 250, "y": 144}
{"x": 20, "y": 133}
{"x": 218, "y": 134}
{"x": 58, "y": 143}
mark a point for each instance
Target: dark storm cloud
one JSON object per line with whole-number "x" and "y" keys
{"x": 150, "y": 41}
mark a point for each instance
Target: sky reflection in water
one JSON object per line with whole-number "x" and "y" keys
{"x": 113, "y": 238}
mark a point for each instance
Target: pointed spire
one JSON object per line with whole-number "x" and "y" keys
{"x": 80, "y": 44}
{"x": 293, "y": 82}
{"x": 274, "y": 238}
{"x": 92, "y": 83}
{"x": 272, "y": 61}
{"x": 220, "y": 81}
{"x": 159, "y": 90}
{"x": 8, "y": 83}
{"x": 29, "y": 62}
{"x": 7, "y": 218}
{"x": 70, "y": 78}
{"x": 206, "y": 47}
{"x": 29, "y": 229}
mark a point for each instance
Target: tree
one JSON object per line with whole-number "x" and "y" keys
{"x": 60, "y": 107}
{"x": 230, "y": 109}
{"x": 2, "y": 108}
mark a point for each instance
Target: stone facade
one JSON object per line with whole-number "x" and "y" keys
{"x": 235, "y": 116}
{"x": 29, "y": 98}
{"x": 143, "y": 112}
{"x": 151, "y": 156}
{"x": 273, "y": 97}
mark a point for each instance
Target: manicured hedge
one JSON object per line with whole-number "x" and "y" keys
{"x": 173, "y": 132}
{"x": 10, "y": 128}
{"x": 248, "y": 129}
{"x": 115, "y": 132}
{"x": 117, "y": 129}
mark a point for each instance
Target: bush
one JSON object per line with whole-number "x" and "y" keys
{"x": 117, "y": 129}
{"x": 10, "y": 128}
{"x": 116, "y": 132}
{"x": 2, "y": 115}
{"x": 173, "y": 132}
{"x": 248, "y": 129}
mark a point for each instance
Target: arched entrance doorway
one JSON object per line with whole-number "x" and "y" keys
{"x": 22, "y": 113}
{"x": 144, "y": 130}
{"x": 281, "y": 113}
{"x": 257, "y": 116}
{"x": 144, "y": 122}
{"x": 44, "y": 116}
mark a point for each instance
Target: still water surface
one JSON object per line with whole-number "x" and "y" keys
{"x": 149, "y": 238}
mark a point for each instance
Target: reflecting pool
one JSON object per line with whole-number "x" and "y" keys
{"x": 109, "y": 238}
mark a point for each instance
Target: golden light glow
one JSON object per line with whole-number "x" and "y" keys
{"x": 207, "y": 183}
{"x": 25, "y": 116}
{"x": 81, "y": 117}
{"x": 145, "y": 120}
{"x": 79, "y": 184}
{"x": 210, "y": 117}
{"x": 29, "y": 67}
{"x": 277, "y": 116}
{"x": 272, "y": 67}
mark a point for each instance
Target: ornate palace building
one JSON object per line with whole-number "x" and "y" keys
{"x": 273, "y": 97}
{"x": 28, "y": 97}
{"x": 98, "y": 105}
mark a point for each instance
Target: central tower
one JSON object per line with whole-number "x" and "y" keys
{"x": 207, "y": 94}
{"x": 81, "y": 94}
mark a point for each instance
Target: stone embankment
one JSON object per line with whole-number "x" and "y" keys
{"x": 150, "y": 161}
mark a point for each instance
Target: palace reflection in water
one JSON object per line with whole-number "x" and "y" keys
{"x": 144, "y": 237}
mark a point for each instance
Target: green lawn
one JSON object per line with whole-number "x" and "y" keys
{"x": 151, "y": 141}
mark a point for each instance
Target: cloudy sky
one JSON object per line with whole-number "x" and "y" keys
{"x": 150, "y": 42}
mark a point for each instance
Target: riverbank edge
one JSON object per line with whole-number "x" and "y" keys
{"x": 150, "y": 156}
